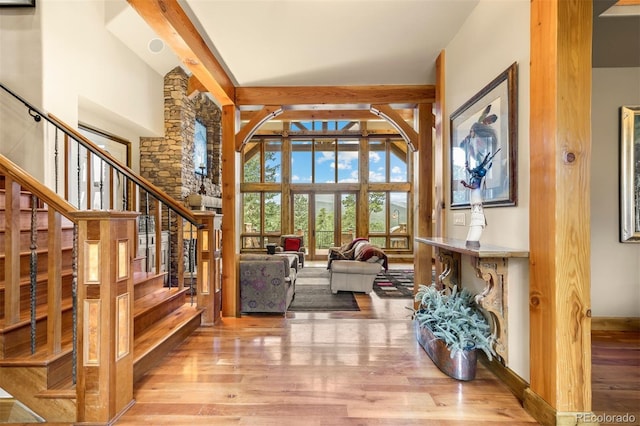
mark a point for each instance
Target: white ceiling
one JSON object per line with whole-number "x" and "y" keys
{"x": 312, "y": 42}
{"x": 338, "y": 42}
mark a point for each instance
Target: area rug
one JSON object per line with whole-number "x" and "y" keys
{"x": 318, "y": 298}
{"x": 394, "y": 283}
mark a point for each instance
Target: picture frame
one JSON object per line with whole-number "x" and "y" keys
{"x": 630, "y": 174}
{"x": 200, "y": 148}
{"x": 17, "y": 3}
{"x": 487, "y": 124}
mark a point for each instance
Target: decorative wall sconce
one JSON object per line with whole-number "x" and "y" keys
{"x": 202, "y": 191}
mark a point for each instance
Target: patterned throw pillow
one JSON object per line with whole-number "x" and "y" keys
{"x": 291, "y": 244}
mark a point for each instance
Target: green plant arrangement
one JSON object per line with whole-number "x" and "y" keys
{"x": 455, "y": 323}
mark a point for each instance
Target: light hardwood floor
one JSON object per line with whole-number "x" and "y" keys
{"x": 340, "y": 368}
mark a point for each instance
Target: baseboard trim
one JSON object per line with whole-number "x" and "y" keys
{"x": 546, "y": 415}
{"x": 533, "y": 404}
{"x": 516, "y": 384}
{"x": 615, "y": 323}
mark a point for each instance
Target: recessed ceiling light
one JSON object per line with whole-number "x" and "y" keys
{"x": 156, "y": 45}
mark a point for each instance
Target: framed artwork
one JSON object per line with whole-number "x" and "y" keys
{"x": 630, "y": 174}
{"x": 486, "y": 127}
{"x": 16, "y": 3}
{"x": 200, "y": 148}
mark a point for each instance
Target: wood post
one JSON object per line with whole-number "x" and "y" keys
{"x": 230, "y": 287}
{"x": 560, "y": 151}
{"x": 423, "y": 192}
{"x": 106, "y": 249}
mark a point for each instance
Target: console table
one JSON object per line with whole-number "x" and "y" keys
{"x": 490, "y": 264}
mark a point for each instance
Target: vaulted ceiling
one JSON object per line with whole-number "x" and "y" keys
{"x": 312, "y": 43}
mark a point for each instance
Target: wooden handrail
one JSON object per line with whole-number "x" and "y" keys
{"x": 126, "y": 171}
{"x": 41, "y": 191}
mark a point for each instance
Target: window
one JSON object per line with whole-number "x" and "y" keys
{"x": 326, "y": 162}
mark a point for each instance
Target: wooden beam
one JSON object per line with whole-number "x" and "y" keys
{"x": 264, "y": 115}
{"x": 194, "y": 86}
{"x": 230, "y": 287}
{"x": 172, "y": 25}
{"x": 329, "y": 114}
{"x": 560, "y": 158}
{"x": 423, "y": 216}
{"x": 323, "y": 95}
{"x": 407, "y": 132}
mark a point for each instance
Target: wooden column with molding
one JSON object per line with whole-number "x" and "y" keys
{"x": 230, "y": 288}
{"x": 423, "y": 216}
{"x": 208, "y": 292}
{"x": 559, "y": 229}
{"x": 106, "y": 249}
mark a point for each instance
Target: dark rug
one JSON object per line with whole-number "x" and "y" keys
{"x": 318, "y": 298}
{"x": 394, "y": 283}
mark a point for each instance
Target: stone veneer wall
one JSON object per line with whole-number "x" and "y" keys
{"x": 168, "y": 162}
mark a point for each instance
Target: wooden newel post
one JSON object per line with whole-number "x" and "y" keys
{"x": 106, "y": 248}
{"x": 209, "y": 292}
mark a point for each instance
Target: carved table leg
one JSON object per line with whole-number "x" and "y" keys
{"x": 450, "y": 276}
{"x": 493, "y": 298}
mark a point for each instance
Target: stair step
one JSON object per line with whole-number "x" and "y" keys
{"x": 147, "y": 282}
{"x": 41, "y": 292}
{"x": 156, "y": 306}
{"x": 42, "y": 238}
{"x": 157, "y": 341}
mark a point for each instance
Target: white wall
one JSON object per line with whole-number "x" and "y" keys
{"x": 68, "y": 64}
{"x": 615, "y": 266}
{"x": 494, "y": 36}
{"x": 21, "y": 72}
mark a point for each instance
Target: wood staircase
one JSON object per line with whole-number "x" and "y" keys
{"x": 43, "y": 380}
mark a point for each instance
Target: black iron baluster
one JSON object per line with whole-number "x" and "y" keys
{"x": 78, "y": 173}
{"x": 125, "y": 193}
{"x": 146, "y": 229}
{"x": 55, "y": 161}
{"x": 101, "y": 185}
{"x": 33, "y": 269}
{"x": 168, "y": 259}
{"x": 191, "y": 261}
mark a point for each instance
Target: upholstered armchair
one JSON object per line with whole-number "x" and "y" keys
{"x": 293, "y": 244}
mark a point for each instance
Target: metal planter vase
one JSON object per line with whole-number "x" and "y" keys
{"x": 461, "y": 367}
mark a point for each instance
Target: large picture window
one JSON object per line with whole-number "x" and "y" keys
{"x": 309, "y": 182}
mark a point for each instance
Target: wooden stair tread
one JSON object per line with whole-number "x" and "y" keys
{"x": 155, "y": 335}
{"x": 41, "y": 357}
{"x": 150, "y": 300}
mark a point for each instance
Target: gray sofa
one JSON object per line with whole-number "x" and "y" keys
{"x": 267, "y": 282}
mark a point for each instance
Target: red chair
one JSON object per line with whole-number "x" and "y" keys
{"x": 293, "y": 244}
